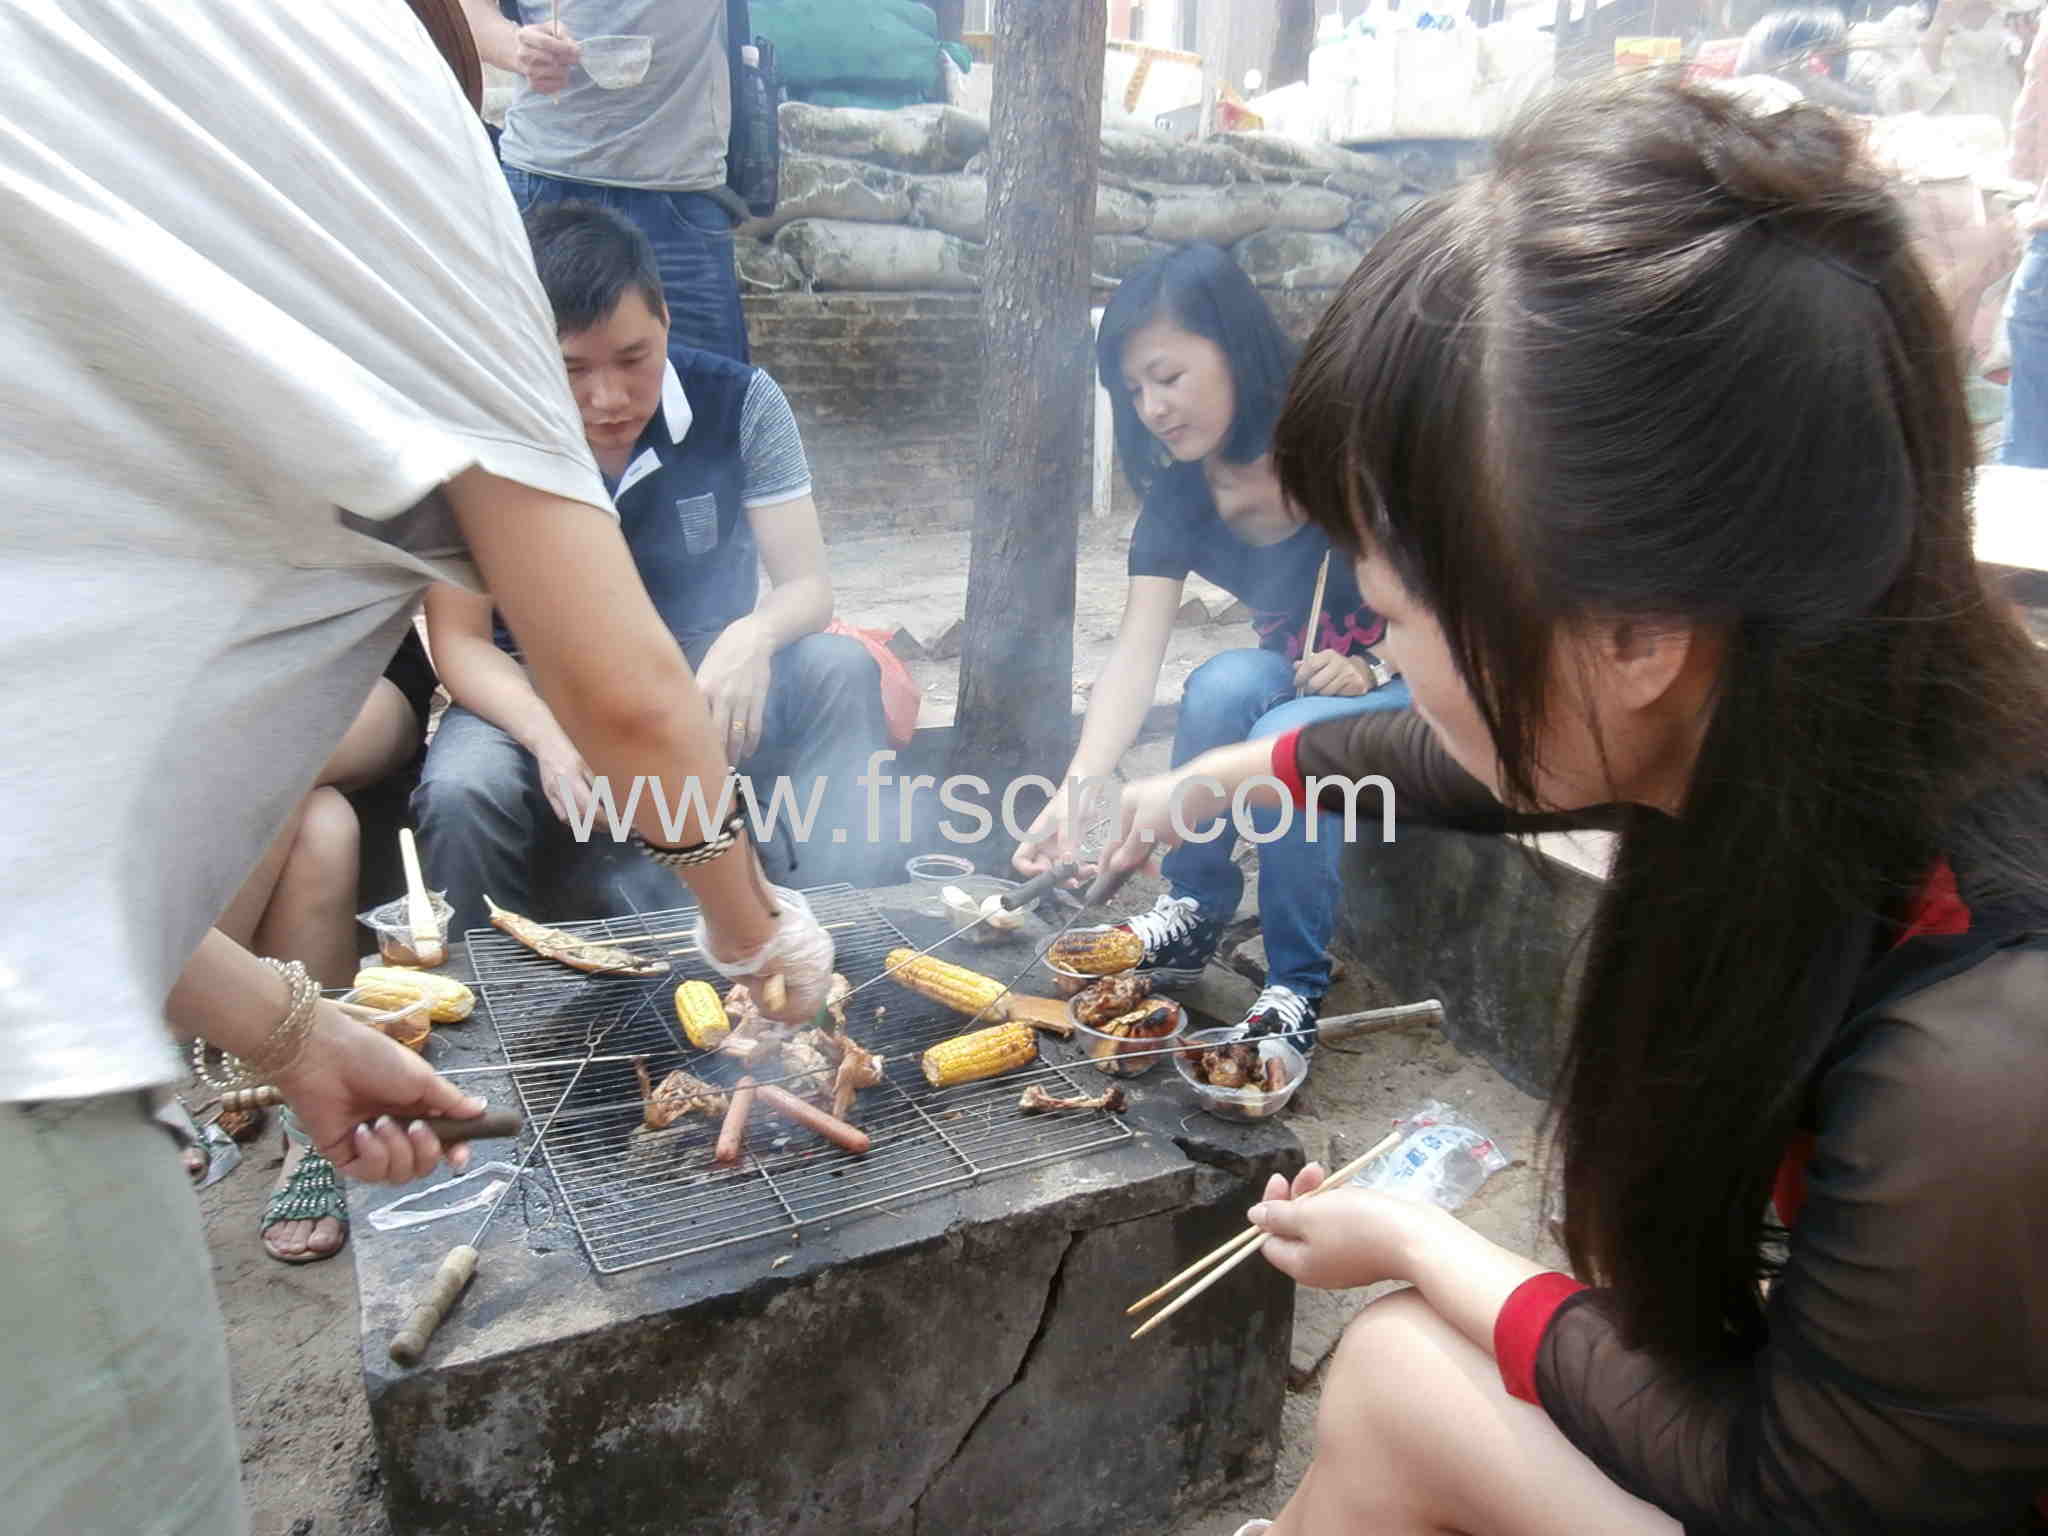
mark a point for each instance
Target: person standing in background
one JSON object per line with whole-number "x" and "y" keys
{"x": 654, "y": 152}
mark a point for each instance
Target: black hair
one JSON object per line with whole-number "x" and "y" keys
{"x": 1783, "y": 37}
{"x": 1201, "y": 290}
{"x": 1672, "y": 361}
{"x": 589, "y": 258}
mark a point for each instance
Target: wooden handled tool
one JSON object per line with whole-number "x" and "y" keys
{"x": 419, "y": 907}
{"x": 410, "y": 1342}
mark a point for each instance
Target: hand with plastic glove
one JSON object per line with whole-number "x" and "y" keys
{"x": 800, "y": 952}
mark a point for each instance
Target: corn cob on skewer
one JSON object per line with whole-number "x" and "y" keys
{"x": 387, "y": 987}
{"x": 960, "y": 989}
{"x": 701, "y": 1014}
{"x": 1098, "y": 951}
{"x": 984, "y": 1053}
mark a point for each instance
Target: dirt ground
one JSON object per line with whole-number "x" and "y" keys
{"x": 308, "y": 1462}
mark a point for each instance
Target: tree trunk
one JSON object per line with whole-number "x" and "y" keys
{"x": 1017, "y": 657}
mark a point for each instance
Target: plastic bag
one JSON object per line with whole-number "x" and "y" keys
{"x": 1442, "y": 1159}
{"x": 901, "y": 697}
{"x": 402, "y": 1213}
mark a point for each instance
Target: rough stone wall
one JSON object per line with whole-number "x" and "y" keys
{"x": 862, "y": 289}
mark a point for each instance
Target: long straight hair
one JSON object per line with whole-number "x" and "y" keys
{"x": 1668, "y": 360}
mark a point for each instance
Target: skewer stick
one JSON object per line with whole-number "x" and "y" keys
{"x": 427, "y": 945}
{"x": 1315, "y": 608}
{"x": 1250, "y": 1241}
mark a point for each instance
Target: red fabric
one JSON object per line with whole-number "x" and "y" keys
{"x": 1287, "y": 766}
{"x": 901, "y": 697}
{"x": 1518, "y": 1331}
{"x": 1788, "y": 1190}
{"x": 1940, "y": 909}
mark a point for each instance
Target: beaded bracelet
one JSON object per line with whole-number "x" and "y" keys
{"x": 281, "y": 1047}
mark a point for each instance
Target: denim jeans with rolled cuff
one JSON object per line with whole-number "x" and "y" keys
{"x": 1249, "y": 695}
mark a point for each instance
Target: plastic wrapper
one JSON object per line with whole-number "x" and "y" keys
{"x": 1442, "y": 1159}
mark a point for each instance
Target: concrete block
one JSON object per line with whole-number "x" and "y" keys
{"x": 906, "y": 645}
{"x": 1474, "y": 920}
{"x": 1193, "y": 614}
{"x": 945, "y": 645}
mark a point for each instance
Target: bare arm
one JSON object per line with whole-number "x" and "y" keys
{"x": 542, "y": 54}
{"x": 1124, "y": 689}
{"x": 611, "y": 673}
{"x": 736, "y": 671}
{"x": 792, "y": 545}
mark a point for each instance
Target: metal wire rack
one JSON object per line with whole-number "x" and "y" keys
{"x": 640, "y": 1197}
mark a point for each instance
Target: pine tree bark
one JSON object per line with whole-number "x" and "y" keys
{"x": 1017, "y": 660}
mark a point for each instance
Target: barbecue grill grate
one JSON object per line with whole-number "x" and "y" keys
{"x": 639, "y": 1197}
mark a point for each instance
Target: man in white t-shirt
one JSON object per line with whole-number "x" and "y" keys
{"x": 276, "y": 360}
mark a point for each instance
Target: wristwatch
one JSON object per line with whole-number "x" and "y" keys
{"x": 1380, "y": 672}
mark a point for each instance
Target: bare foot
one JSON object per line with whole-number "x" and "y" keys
{"x": 295, "y": 1239}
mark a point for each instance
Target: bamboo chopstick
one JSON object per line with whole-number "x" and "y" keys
{"x": 1247, "y": 1243}
{"x": 1315, "y": 608}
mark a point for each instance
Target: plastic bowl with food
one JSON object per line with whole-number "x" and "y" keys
{"x": 394, "y": 929}
{"x": 975, "y": 897}
{"x": 930, "y": 874}
{"x": 1129, "y": 1055}
{"x": 409, "y": 1025}
{"x": 1247, "y": 1103}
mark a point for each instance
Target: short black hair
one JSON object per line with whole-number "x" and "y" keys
{"x": 588, "y": 257}
{"x": 1201, "y": 290}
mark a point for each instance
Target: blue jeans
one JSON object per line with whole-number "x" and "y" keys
{"x": 692, "y": 237}
{"x": 2026, "y": 321}
{"x": 486, "y": 827}
{"x": 1246, "y": 695}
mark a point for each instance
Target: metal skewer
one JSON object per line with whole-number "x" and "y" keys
{"x": 410, "y": 1342}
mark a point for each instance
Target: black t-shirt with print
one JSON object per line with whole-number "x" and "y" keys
{"x": 1180, "y": 531}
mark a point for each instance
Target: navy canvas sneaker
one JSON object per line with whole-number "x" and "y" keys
{"x": 1178, "y": 940}
{"x": 1284, "y": 1011}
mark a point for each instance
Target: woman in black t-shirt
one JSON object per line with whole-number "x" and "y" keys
{"x": 1195, "y": 367}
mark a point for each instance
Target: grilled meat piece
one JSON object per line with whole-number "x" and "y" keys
{"x": 1112, "y": 997}
{"x": 680, "y": 1094}
{"x": 1037, "y": 1101}
{"x": 1229, "y": 1066}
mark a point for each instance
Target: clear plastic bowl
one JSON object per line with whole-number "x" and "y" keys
{"x": 931, "y": 873}
{"x": 1239, "y": 1103}
{"x": 1120, "y": 1057}
{"x": 977, "y": 889}
{"x": 409, "y": 1025}
{"x": 394, "y": 929}
{"x": 616, "y": 61}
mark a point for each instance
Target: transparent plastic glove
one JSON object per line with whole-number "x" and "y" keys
{"x": 800, "y": 953}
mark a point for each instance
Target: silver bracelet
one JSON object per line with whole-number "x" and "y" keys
{"x": 281, "y": 1047}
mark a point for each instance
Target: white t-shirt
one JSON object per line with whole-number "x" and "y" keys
{"x": 264, "y": 291}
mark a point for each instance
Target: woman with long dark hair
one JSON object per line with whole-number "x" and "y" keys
{"x": 1196, "y": 366}
{"x": 1651, "y": 447}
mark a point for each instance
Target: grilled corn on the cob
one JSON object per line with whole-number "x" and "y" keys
{"x": 984, "y": 1053}
{"x": 960, "y": 989}
{"x": 390, "y": 986}
{"x": 701, "y": 1014}
{"x": 1098, "y": 951}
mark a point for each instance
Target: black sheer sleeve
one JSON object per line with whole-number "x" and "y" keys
{"x": 1904, "y": 1386}
{"x": 1428, "y": 785}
